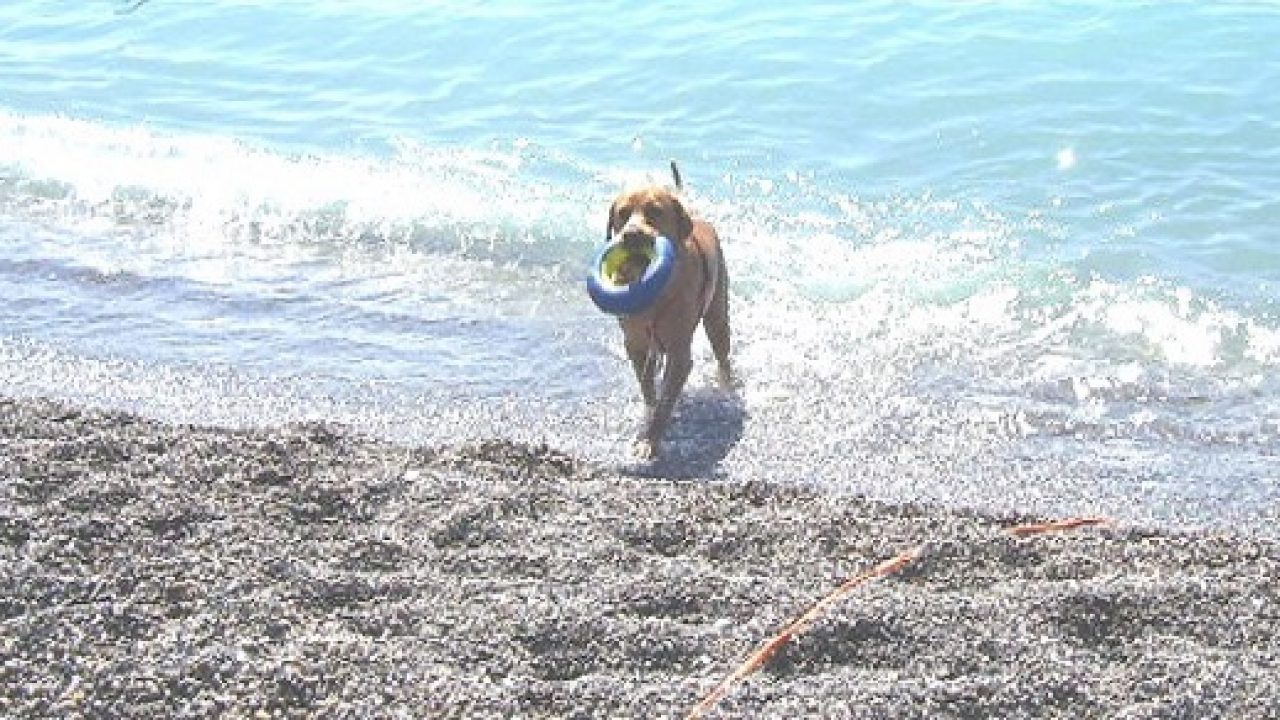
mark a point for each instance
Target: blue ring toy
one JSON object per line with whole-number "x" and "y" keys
{"x": 621, "y": 299}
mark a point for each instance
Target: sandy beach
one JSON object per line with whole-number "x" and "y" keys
{"x": 151, "y": 570}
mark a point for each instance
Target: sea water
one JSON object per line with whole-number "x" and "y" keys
{"x": 1010, "y": 255}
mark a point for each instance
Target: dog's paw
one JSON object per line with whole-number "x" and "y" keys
{"x": 645, "y": 449}
{"x": 725, "y": 378}
{"x": 728, "y": 381}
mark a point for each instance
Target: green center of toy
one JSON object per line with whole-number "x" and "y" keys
{"x": 617, "y": 258}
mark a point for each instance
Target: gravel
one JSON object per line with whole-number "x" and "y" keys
{"x": 151, "y": 570}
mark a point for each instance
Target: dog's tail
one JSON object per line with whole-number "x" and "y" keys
{"x": 675, "y": 175}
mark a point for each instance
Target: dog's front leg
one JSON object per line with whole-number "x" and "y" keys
{"x": 644, "y": 362}
{"x": 673, "y": 379}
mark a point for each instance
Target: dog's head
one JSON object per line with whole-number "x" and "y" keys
{"x": 640, "y": 216}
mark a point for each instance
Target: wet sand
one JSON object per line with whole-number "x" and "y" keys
{"x": 151, "y": 570}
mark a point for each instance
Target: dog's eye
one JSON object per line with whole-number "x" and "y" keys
{"x": 655, "y": 211}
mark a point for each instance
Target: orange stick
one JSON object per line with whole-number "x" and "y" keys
{"x": 797, "y": 626}
{"x": 1056, "y": 526}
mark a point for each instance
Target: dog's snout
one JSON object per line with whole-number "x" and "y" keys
{"x": 634, "y": 234}
{"x": 636, "y": 230}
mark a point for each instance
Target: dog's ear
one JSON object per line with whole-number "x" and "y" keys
{"x": 684, "y": 223}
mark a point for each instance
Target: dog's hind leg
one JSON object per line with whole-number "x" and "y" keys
{"x": 716, "y": 325}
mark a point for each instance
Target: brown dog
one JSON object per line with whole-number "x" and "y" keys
{"x": 698, "y": 291}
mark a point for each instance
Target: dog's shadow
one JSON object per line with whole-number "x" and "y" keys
{"x": 707, "y": 425}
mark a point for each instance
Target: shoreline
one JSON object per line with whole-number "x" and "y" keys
{"x": 158, "y": 570}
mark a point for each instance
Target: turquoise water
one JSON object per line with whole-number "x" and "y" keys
{"x": 1021, "y": 255}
